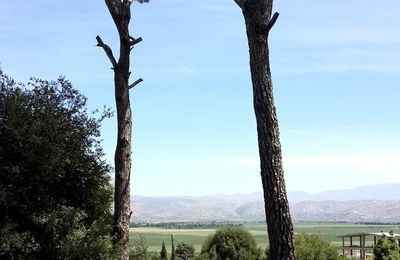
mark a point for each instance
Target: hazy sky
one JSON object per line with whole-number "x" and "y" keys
{"x": 336, "y": 74}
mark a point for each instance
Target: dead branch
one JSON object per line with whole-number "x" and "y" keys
{"x": 134, "y": 41}
{"x": 135, "y": 83}
{"x": 107, "y": 50}
{"x": 272, "y": 21}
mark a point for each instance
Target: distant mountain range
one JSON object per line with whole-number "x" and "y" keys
{"x": 373, "y": 192}
{"x": 376, "y": 203}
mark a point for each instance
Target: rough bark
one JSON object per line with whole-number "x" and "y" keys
{"x": 257, "y": 14}
{"x": 121, "y": 14}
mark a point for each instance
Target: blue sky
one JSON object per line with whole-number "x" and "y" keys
{"x": 336, "y": 74}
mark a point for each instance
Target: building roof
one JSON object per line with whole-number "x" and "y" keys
{"x": 370, "y": 234}
{"x": 386, "y": 234}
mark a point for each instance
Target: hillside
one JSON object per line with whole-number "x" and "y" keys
{"x": 380, "y": 203}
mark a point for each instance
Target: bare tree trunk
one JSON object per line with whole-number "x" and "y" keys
{"x": 121, "y": 14}
{"x": 257, "y": 14}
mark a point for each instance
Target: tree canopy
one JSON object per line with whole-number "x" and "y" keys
{"x": 386, "y": 249}
{"x": 184, "y": 251}
{"x": 231, "y": 243}
{"x": 312, "y": 246}
{"x": 55, "y": 191}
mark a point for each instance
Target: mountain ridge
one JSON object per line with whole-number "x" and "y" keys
{"x": 375, "y": 203}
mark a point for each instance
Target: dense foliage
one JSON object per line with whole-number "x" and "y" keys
{"x": 231, "y": 243}
{"x": 184, "y": 251}
{"x": 386, "y": 249}
{"x": 312, "y": 246}
{"x": 55, "y": 193}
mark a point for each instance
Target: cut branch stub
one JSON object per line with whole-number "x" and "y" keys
{"x": 107, "y": 50}
{"x": 135, "y": 41}
{"x": 135, "y": 83}
{"x": 272, "y": 21}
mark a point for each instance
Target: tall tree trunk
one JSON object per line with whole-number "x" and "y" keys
{"x": 121, "y": 14}
{"x": 257, "y": 15}
{"x": 122, "y": 158}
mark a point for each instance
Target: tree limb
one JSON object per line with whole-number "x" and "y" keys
{"x": 107, "y": 50}
{"x": 240, "y": 3}
{"x": 135, "y": 83}
{"x": 135, "y": 41}
{"x": 272, "y": 21}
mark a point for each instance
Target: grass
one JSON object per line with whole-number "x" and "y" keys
{"x": 330, "y": 231}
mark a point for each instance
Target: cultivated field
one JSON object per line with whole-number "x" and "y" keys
{"x": 155, "y": 236}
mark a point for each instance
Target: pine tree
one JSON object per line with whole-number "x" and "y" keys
{"x": 120, "y": 11}
{"x": 259, "y": 21}
{"x": 163, "y": 253}
{"x": 172, "y": 248}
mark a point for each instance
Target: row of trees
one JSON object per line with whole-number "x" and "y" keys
{"x": 239, "y": 244}
{"x": 189, "y": 225}
{"x": 140, "y": 251}
{"x": 236, "y": 244}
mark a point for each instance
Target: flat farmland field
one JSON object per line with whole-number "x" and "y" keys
{"x": 155, "y": 236}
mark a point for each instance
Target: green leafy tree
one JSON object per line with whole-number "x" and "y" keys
{"x": 386, "y": 248}
{"x": 231, "y": 243}
{"x": 163, "y": 253}
{"x": 184, "y": 251}
{"x": 312, "y": 246}
{"x": 55, "y": 192}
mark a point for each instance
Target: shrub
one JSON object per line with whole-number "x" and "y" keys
{"x": 231, "y": 243}
{"x": 312, "y": 246}
{"x": 386, "y": 248}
